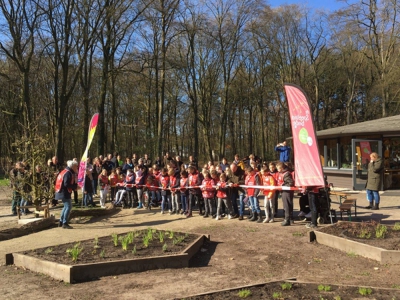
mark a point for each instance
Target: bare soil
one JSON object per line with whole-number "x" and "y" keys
{"x": 296, "y": 291}
{"x": 239, "y": 253}
{"x": 103, "y": 249}
{"x": 365, "y": 232}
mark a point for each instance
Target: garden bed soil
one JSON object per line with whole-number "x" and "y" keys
{"x": 102, "y": 249}
{"x": 365, "y": 232}
{"x": 304, "y": 291}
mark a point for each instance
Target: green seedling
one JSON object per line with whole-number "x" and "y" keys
{"x": 102, "y": 253}
{"x": 134, "y": 250}
{"x": 75, "y": 251}
{"x": 364, "y": 234}
{"x": 396, "y": 226}
{"x": 244, "y": 293}
{"x": 146, "y": 241}
{"x": 48, "y": 250}
{"x": 165, "y": 247}
{"x": 171, "y": 234}
{"x": 130, "y": 237}
{"x": 337, "y": 298}
{"x": 286, "y": 286}
{"x": 161, "y": 236}
{"x": 324, "y": 288}
{"x": 96, "y": 242}
{"x": 380, "y": 231}
{"x": 364, "y": 291}
{"x": 115, "y": 239}
{"x": 277, "y": 295}
{"x": 124, "y": 242}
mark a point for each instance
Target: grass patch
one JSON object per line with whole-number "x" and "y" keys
{"x": 298, "y": 234}
{"x": 351, "y": 254}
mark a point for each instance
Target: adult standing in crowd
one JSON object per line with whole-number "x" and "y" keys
{"x": 374, "y": 180}
{"x": 284, "y": 151}
{"x": 236, "y": 178}
{"x": 66, "y": 183}
{"x": 147, "y": 161}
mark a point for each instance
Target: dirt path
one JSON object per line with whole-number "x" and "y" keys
{"x": 240, "y": 252}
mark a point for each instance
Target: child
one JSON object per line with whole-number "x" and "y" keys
{"x": 165, "y": 192}
{"x": 104, "y": 186}
{"x": 88, "y": 191}
{"x": 208, "y": 193}
{"x": 285, "y": 179}
{"x": 269, "y": 207}
{"x": 129, "y": 183}
{"x": 150, "y": 190}
{"x": 174, "y": 185}
{"x": 184, "y": 183}
{"x": 113, "y": 183}
{"x": 222, "y": 195}
{"x": 252, "y": 179}
{"x": 141, "y": 176}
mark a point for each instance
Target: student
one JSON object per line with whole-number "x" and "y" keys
{"x": 194, "y": 192}
{"x": 183, "y": 184}
{"x": 140, "y": 182}
{"x": 129, "y": 183}
{"x": 208, "y": 193}
{"x": 223, "y": 197}
{"x": 88, "y": 191}
{"x": 274, "y": 172}
{"x": 113, "y": 178}
{"x": 150, "y": 191}
{"x": 252, "y": 179}
{"x": 285, "y": 179}
{"x": 104, "y": 187}
{"x": 165, "y": 191}
{"x": 268, "y": 180}
{"x": 174, "y": 186}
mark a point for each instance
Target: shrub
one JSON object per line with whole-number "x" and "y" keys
{"x": 396, "y": 226}
{"x": 380, "y": 231}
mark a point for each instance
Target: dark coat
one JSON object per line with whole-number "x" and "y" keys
{"x": 374, "y": 180}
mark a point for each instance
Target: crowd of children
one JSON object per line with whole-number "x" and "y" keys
{"x": 214, "y": 190}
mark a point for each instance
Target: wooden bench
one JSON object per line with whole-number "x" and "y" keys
{"x": 346, "y": 206}
{"x": 38, "y": 210}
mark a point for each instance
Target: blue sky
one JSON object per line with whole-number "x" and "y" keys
{"x": 330, "y": 5}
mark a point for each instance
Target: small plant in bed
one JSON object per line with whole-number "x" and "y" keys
{"x": 381, "y": 231}
{"x": 286, "y": 286}
{"x": 364, "y": 291}
{"x": 244, "y": 293}
{"x": 75, "y": 251}
{"x": 324, "y": 288}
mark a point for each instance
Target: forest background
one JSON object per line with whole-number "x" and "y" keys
{"x": 202, "y": 78}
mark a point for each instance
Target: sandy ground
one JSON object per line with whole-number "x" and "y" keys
{"x": 239, "y": 253}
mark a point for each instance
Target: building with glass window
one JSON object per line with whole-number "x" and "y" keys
{"x": 345, "y": 152}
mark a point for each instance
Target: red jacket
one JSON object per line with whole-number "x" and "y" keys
{"x": 252, "y": 179}
{"x": 222, "y": 191}
{"x": 208, "y": 190}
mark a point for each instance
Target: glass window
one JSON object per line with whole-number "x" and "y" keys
{"x": 332, "y": 153}
{"x": 345, "y": 153}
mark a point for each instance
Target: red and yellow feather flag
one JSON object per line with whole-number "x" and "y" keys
{"x": 82, "y": 165}
{"x": 307, "y": 163}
